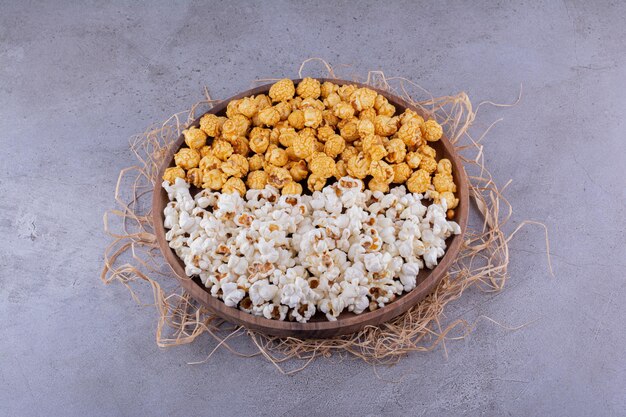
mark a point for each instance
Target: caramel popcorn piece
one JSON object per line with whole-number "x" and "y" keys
{"x": 377, "y": 185}
{"x": 194, "y": 137}
{"x": 410, "y": 116}
{"x": 255, "y": 162}
{"x": 257, "y": 180}
{"x": 241, "y": 146}
{"x": 358, "y": 165}
{"x": 413, "y": 159}
{"x": 385, "y": 125}
{"x": 327, "y": 88}
{"x": 363, "y": 98}
{"x": 329, "y": 118}
{"x": 428, "y": 164}
{"x": 381, "y": 171}
{"x": 309, "y": 88}
{"x": 248, "y": 107}
{"x": 368, "y": 114}
{"x": 343, "y": 110}
{"x": 187, "y": 158}
{"x": 232, "y": 108}
{"x": 259, "y": 141}
{"x": 269, "y": 116}
{"x": 334, "y": 146}
{"x": 396, "y": 151}
{"x": 311, "y": 102}
{"x": 292, "y": 188}
{"x": 349, "y": 129}
{"x": 205, "y": 150}
{"x": 332, "y": 100}
{"x": 278, "y": 177}
{"x": 303, "y": 146}
{"x": 418, "y": 182}
{"x": 312, "y": 117}
{"x": 287, "y": 137}
{"x": 282, "y": 90}
{"x": 284, "y": 110}
{"x": 262, "y": 101}
{"x": 345, "y": 91}
{"x": 387, "y": 109}
{"x": 340, "y": 169}
{"x": 348, "y": 152}
{"x": 222, "y": 149}
{"x": 401, "y": 172}
{"x": 315, "y": 182}
{"x": 365, "y": 128}
{"x": 322, "y": 166}
{"x": 212, "y": 124}
{"x": 236, "y": 166}
{"x": 380, "y": 101}
{"x": 299, "y": 170}
{"x": 209, "y": 162}
{"x": 276, "y": 156}
{"x": 234, "y": 185}
{"x": 411, "y": 134}
{"x": 213, "y": 179}
{"x": 431, "y": 130}
{"x": 296, "y": 119}
{"x": 172, "y": 173}
{"x": 373, "y": 147}
{"x": 194, "y": 177}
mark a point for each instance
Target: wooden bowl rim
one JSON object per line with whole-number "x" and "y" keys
{"x": 347, "y": 322}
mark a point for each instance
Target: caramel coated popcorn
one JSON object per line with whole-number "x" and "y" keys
{"x": 309, "y": 88}
{"x": 234, "y": 185}
{"x": 419, "y": 181}
{"x": 282, "y": 90}
{"x": 431, "y": 130}
{"x": 172, "y": 173}
{"x": 194, "y": 137}
{"x": 315, "y": 133}
{"x": 187, "y": 158}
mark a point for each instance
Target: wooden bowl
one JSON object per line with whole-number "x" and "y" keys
{"x": 318, "y": 327}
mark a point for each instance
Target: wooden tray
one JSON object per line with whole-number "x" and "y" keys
{"x": 318, "y": 327}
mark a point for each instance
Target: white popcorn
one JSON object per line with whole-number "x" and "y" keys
{"x": 340, "y": 249}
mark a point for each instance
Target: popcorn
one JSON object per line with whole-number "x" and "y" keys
{"x": 187, "y": 158}
{"x": 222, "y": 149}
{"x": 194, "y": 137}
{"x": 212, "y": 124}
{"x": 292, "y": 188}
{"x": 269, "y": 116}
{"x": 194, "y": 177}
{"x": 236, "y": 166}
{"x": 233, "y": 185}
{"x": 282, "y": 90}
{"x": 303, "y": 146}
{"x": 296, "y": 119}
{"x": 334, "y": 146}
{"x": 213, "y": 179}
{"x": 343, "y": 110}
{"x": 363, "y": 98}
{"x": 385, "y": 125}
{"x": 260, "y": 245}
{"x": 431, "y": 130}
{"x": 309, "y": 88}
{"x": 323, "y": 166}
{"x": 419, "y": 181}
{"x": 401, "y": 172}
{"x": 172, "y": 173}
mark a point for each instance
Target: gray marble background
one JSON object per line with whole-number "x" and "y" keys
{"x": 77, "y": 79}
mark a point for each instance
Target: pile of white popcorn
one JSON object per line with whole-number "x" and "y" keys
{"x": 287, "y": 257}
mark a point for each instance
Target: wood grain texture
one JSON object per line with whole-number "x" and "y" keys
{"x": 318, "y": 327}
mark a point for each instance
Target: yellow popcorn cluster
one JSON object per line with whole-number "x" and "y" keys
{"x": 306, "y": 135}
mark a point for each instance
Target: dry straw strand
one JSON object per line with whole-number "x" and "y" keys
{"x": 133, "y": 256}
